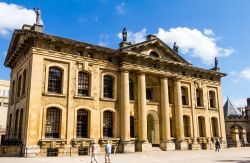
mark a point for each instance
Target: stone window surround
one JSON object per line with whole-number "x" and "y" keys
{"x": 90, "y": 84}
{"x": 114, "y": 76}
{"x": 215, "y": 97}
{"x": 114, "y": 121}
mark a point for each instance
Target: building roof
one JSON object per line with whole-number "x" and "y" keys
{"x": 230, "y": 110}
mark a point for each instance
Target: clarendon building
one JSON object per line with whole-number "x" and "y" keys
{"x": 66, "y": 94}
{"x": 4, "y": 103}
{"x": 237, "y": 124}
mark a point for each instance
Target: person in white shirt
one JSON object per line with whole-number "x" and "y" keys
{"x": 93, "y": 153}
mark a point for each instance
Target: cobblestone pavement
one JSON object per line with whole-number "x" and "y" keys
{"x": 232, "y": 155}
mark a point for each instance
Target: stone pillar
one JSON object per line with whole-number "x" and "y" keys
{"x": 235, "y": 137}
{"x": 166, "y": 143}
{"x": 221, "y": 119}
{"x": 244, "y": 134}
{"x": 127, "y": 146}
{"x": 142, "y": 144}
{"x": 180, "y": 138}
{"x": 195, "y": 145}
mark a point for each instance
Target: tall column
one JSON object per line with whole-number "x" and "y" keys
{"x": 142, "y": 117}
{"x": 127, "y": 146}
{"x": 125, "y": 110}
{"x": 142, "y": 144}
{"x": 180, "y": 143}
{"x": 166, "y": 143}
{"x": 221, "y": 119}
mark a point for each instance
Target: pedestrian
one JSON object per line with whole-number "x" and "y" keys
{"x": 217, "y": 145}
{"x": 107, "y": 152}
{"x": 93, "y": 152}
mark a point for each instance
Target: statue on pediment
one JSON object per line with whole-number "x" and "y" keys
{"x": 38, "y": 15}
{"x": 216, "y": 62}
{"x": 175, "y": 47}
{"x": 124, "y": 35}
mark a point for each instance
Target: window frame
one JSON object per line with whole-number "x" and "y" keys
{"x": 61, "y": 81}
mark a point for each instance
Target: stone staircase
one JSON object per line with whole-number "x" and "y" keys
{"x": 156, "y": 149}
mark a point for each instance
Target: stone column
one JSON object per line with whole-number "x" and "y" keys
{"x": 143, "y": 144}
{"x": 166, "y": 143}
{"x": 235, "y": 137}
{"x": 195, "y": 144}
{"x": 125, "y": 114}
{"x": 180, "y": 142}
{"x": 221, "y": 118}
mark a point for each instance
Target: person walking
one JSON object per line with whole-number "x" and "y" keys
{"x": 107, "y": 152}
{"x": 93, "y": 153}
{"x": 217, "y": 145}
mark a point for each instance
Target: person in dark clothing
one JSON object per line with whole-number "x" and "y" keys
{"x": 217, "y": 145}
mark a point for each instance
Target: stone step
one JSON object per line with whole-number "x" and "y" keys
{"x": 156, "y": 149}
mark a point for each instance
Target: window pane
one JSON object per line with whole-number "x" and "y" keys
{"x": 55, "y": 80}
{"x": 82, "y": 124}
{"x": 108, "y": 87}
{"x": 108, "y": 124}
{"x": 52, "y": 129}
{"x": 83, "y": 84}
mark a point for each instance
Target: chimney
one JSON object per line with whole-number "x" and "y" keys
{"x": 150, "y": 37}
{"x": 248, "y": 102}
{"x": 26, "y": 27}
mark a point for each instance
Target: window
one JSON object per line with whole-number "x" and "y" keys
{"x": 108, "y": 87}
{"x": 90, "y": 55}
{"x": 201, "y": 122}
{"x": 16, "y": 123}
{"x": 20, "y": 124}
{"x": 215, "y": 127}
{"x": 131, "y": 90}
{"x": 24, "y": 82}
{"x": 184, "y": 95}
{"x": 170, "y": 95}
{"x": 132, "y": 127}
{"x": 199, "y": 97}
{"x": 82, "y": 123}
{"x": 109, "y": 59}
{"x": 57, "y": 48}
{"x": 153, "y": 54}
{"x": 107, "y": 124}
{"x": 83, "y": 84}
{"x": 5, "y": 104}
{"x": 186, "y": 126}
{"x": 19, "y": 86}
{"x": 149, "y": 93}
{"x": 78, "y": 53}
{"x": 52, "y": 129}
{"x": 55, "y": 80}
{"x": 10, "y": 125}
{"x": 212, "y": 99}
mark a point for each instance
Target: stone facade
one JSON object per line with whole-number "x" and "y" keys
{"x": 237, "y": 124}
{"x": 138, "y": 96}
{"x": 4, "y": 102}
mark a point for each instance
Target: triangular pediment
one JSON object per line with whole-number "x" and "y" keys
{"x": 154, "y": 47}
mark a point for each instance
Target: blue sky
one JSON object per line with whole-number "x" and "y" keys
{"x": 202, "y": 29}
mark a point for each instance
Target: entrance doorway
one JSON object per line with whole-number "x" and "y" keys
{"x": 153, "y": 133}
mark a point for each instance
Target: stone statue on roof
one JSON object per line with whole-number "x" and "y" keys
{"x": 216, "y": 62}
{"x": 124, "y": 35}
{"x": 38, "y": 15}
{"x": 175, "y": 47}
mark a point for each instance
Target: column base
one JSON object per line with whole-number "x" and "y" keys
{"x": 32, "y": 151}
{"x": 143, "y": 146}
{"x": 223, "y": 145}
{"x": 167, "y": 146}
{"x": 127, "y": 147}
{"x": 195, "y": 146}
{"x": 181, "y": 145}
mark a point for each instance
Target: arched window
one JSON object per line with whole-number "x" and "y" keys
{"x": 202, "y": 129}
{"x": 186, "y": 125}
{"x": 83, "y": 84}
{"x": 82, "y": 123}
{"x": 107, "y": 124}
{"x": 16, "y": 123}
{"x": 55, "y": 80}
{"x": 132, "y": 127}
{"x": 212, "y": 102}
{"x": 131, "y": 89}
{"x": 13, "y": 91}
{"x": 184, "y": 95}
{"x": 19, "y": 86}
{"x": 199, "y": 97}
{"x": 108, "y": 87}
{"x": 20, "y": 124}
{"x": 150, "y": 93}
{"x": 153, "y": 54}
{"x": 215, "y": 127}
{"x": 24, "y": 82}
{"x": 53, "y": 118}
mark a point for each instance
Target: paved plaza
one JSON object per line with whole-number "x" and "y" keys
{"x": 232, "y": 155}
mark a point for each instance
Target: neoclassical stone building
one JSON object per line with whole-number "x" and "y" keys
{"x": 67, "y": 93}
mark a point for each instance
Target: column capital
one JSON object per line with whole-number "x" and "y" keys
{"x": 141, "y": 73}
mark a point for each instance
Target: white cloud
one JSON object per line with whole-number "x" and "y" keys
{"x": 13, "y": 16}
{"x": 245, "y": 73}
{"x": 239, "y": 102}
{"x": 120, "y": 8}
{"x": 195, "y": 43}
{"x": 135, "y": 37}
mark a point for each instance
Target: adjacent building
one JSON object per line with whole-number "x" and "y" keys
{"x": 66, "y": 94}
{"x": 237, "y": 124}
{"x": 4, "y": 103}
